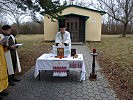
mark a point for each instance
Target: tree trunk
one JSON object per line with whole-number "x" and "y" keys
{"x": 125, "y": 30}
{"x": 18, "y": 28}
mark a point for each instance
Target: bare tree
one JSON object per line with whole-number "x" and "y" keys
{"x": 131, "y": 25}
{"x": 52, "y": 8}
{"x": 16, "y": 15}
{"x": 10, "y": 10}
{"x": 120, "y": 10}
{"x": 82, "y": 3}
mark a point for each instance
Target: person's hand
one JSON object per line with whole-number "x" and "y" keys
{"x": 3, "y": 42}
{"x": 13, "y": 47}
{"x": 60, "y": 44}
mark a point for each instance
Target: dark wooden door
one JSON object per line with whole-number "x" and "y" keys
{"x": 72, "y": 25}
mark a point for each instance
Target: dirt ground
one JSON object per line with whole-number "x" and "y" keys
{"x": 34, "y": 46}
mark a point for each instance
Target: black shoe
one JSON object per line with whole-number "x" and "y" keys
{"x": 10, "y": 80}
{"x": 4, "y": 93}
{"x": 1, "y": 98}
{"x": 16, "y": 80}
{"x": 11, "y": 83}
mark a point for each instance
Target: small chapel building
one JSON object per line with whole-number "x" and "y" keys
{"x": 84, "y": 24}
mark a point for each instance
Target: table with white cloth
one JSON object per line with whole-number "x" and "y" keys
{"x": 48, "y": 61}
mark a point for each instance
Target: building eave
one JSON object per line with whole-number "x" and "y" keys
{"x": 101, "y": 12}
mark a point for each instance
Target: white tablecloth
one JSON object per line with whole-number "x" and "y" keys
{"x": 45, "y": 62}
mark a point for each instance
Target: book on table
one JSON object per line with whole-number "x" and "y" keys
{"x": 61, "y": 50}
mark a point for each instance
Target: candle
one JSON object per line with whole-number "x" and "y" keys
{"x": 94, "y": 50}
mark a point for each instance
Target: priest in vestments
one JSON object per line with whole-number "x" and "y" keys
{"x": 11, "y": 55}
{"x": 3, "y": 72}
{"x": 63, "y": 37}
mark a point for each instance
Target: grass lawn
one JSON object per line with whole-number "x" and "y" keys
{"x": 33, "y": 47}
{"x": 116, "y": 61}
